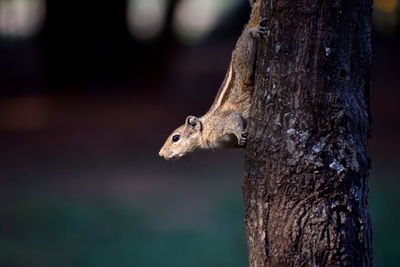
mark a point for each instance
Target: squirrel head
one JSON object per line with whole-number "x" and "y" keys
{"x": 183, "y": 140}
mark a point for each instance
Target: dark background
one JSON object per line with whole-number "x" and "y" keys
{"x": 90, "y": 89}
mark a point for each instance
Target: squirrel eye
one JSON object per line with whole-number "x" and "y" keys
{"x": 175, "y": 138}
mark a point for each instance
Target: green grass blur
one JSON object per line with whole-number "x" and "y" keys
{"x": 64, "y": 233}
{"x": 384, "y": 206}
{"x": 46, "y": 230}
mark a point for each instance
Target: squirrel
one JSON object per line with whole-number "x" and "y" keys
{"x": 224, "y": 125}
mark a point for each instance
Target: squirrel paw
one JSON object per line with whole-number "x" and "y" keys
{"x": 260, "y": 30}
{"x": 243, "y": 139}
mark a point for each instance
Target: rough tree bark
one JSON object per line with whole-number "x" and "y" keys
{"x": 305, "y": 188}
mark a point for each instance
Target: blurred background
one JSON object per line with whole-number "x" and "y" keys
{"x": 89, "y": 91}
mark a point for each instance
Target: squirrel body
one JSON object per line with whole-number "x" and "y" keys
{"x": 224, "y": 125}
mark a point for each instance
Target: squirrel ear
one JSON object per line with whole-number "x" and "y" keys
{"x": 193, "y": 122}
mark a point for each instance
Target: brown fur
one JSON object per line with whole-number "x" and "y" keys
{"x": 223, "y": 126}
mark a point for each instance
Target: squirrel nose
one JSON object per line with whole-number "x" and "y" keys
{"x": 161, "y": 153}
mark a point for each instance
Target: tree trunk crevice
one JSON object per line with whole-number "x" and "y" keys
{"x": 306, "y": 183}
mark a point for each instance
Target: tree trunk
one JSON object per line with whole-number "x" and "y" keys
{"x": 306, "y": 182}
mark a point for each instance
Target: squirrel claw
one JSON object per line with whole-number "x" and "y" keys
{"x": 262, "y": 28}
{"x": 262, "y": 21}
{"x": 262, "y": 32}
{"x": 243, "y": 139}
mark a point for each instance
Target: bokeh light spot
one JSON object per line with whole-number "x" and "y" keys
{"x": 195, "y": 19}
{"x": 146, "y": 18}
{"x": 386, "y": 5}
{"x": 21, "y": 18}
